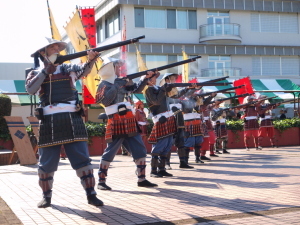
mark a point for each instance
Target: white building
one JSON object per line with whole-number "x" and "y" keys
{"x": 238, "y": 38}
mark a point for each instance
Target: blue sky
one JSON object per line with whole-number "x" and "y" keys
{"x": 25, "y": 24}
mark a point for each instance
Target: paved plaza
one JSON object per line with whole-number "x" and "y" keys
{"x": 245, "y": 187}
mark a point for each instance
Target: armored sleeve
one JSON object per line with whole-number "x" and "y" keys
{"x": 139, "y": 87}
{"x": 181, "y": 92}
{"x": 80, "y": 70}
{"x": 155, "y": 97}
{"x": 207, "y": 100}
{"x": 214, "y": 115}
{"x": 106, "y": 93}
{"x": 34, "y": 81}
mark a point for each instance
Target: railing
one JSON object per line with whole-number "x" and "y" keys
{"x": 231, "y": 71}
{"x": 226, "y": 30}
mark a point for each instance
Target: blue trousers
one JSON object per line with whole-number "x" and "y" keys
{"x": 134, "y": 145}
{"x": 193, "y": 141}
{"x": 163, "y": 146}
{"x": 77, "y": 153}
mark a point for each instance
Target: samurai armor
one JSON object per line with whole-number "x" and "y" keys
{"x": 193, "y": 127}
{"x": 160, "y": 130}
{"x": 121, "y": 126}
{"x": 61, "y": 128}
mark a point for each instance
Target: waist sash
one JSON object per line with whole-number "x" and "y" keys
{"x": 112, "y": 109}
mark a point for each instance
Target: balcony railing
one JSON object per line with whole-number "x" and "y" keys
{"x": 228, "y": 31}
{"x": 231, "y": 71}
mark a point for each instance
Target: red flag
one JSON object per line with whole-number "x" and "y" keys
{"x": 243, "y": 90}
{"x": 123, "y": 69}
{"x": 89, "y": 24}
{"x": 193, "y": 81}
{"x": 179, "y": 78}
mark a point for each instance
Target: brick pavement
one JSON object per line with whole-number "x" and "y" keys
{"x": 245, "y": 187}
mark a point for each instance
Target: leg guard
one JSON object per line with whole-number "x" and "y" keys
{"x": 161, "y": 167}
{"x": 141, "y": 169}
{"x": 217, "y": 146}
{"x": 46, "y": 183}
{"x": 196, "y": 151}
{"x": 187, "y": 155}
{"x": 86, "y": 175}
{"x": 162, "y": 162}
{"x": 256, "y": 142}
{"x": 260, "y": 139}
{"x": 202, "y": 152}
{"x": 273, "y": 141}
{"x": 154, "y": 163}
{"x": 102, "y": 173}
{"x": 181, "y": 154}
{"x": 168, "y": 158}
{"x": 224, "y": 144}
{"x": 246, "y": 140}
{"x": 211, "y": 149}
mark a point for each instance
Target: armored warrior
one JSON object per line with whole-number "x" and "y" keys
{"x": 218, "y": 116}
{"x": 175, "y": 106}
{"x": 122, "y": 125}
{"x": 266, "y": 128}
{"x": 194, "y": 130}
{"x": 251, "y": 125}
{"x": 60, "y": 121}
{"x": 141, "y": 118}
{"x": 164, "y": 128}
{"x": 209, "y": 134}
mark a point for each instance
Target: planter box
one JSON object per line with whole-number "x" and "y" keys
{"x": 96, "y": 146}
{"x": 289, "y": 137}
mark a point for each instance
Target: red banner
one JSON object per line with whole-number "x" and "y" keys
{"x": 89, "y": 24}
{"x": 123, "y": 69}
{"x": 87, "y": 98}
{"x": 243, "y": 90}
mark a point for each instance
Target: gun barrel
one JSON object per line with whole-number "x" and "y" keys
{"x": 217, "y": 79}
{"x": 200, "y": 84}
{"x": 220, "y": 91}
{"x": 63, "y": 58}
{"x": 138, "y": 74}
{"x": 236, "y": 96}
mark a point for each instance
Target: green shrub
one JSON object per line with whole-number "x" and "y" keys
{"x": 5, "y": 110}
{"x": 285, "y": 124}
{"x": 95, "y": 129}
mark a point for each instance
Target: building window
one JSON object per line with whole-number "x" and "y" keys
{"x": 153, "y": 61}
{"x": 100, "y": 34}
{"x": 274, "y": 22}
{"x": 275, "y": 66}
{"x": 161, "y": 18}
{"x": 112, "y": 24}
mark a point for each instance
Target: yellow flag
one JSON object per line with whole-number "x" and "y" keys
{"x": 185, "y": 69}
{"x": 54, "y": 31}
{"x": 79, "y": 40}
{"x": 141, "y": 64}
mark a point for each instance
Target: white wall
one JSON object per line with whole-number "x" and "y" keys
{"x": 255, "y": 38}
